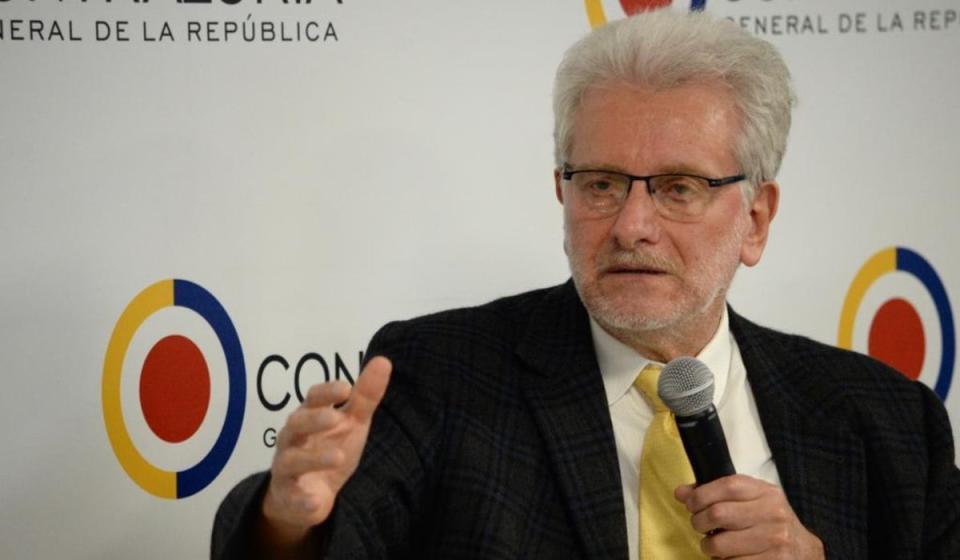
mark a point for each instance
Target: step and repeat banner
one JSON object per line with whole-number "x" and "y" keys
{"x": 242, "y": 191}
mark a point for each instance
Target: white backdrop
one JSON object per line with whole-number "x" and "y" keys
{"x": 403, "y": 165}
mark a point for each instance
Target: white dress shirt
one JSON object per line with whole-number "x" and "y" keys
{"x": 631, "y": 415}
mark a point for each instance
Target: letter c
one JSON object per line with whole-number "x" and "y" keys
{"x": 263, "y": 399}
{"x": 311, "y": 357}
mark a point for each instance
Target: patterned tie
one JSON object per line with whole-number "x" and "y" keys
{"x": 665, "y": 530}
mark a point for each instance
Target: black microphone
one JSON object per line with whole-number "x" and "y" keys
{"x": 686, "y": 387}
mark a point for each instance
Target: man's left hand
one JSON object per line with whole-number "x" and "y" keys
{"x": 743, "y": 517}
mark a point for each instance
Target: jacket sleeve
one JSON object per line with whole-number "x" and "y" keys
{"x": 235, "y": 522}
{"x": 378, "y": 512}
{"x": 384, "y": 507}
{"x": 942, "y": 515}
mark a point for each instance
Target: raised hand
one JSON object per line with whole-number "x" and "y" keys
{"x": 318, "y": 449}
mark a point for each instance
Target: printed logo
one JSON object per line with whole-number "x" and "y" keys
{"x": 174, "y": 389}
{"x": 598, "y": 15}
{"x": 896, "y": 335}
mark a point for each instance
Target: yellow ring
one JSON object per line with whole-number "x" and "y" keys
{"x": 156, "y": 481}
{"x": 595, "y": 13}
{"x": 876, "y": 266}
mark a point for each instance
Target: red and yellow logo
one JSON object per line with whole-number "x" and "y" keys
{"x": 597, "y": 14}
{"x": 896, "y": 334}
{"x": 174, "y": 388}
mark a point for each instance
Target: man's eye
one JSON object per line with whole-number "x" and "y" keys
{"x": 678, "y": 188}
{"x": 600, "y": 185}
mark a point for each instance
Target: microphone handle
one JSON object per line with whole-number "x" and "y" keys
{"x": 706, "y": 446}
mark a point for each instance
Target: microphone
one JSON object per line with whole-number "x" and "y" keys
{"x": 686, "y": 387}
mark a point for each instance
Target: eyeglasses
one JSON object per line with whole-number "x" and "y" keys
{"x": 676, "y": 196}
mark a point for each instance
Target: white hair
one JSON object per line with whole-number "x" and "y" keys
{"x": 664, "y": 49}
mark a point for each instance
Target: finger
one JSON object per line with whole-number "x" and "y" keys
{"x": 305, "y": 421}
{"x": 746, "y": 543}
{"x": 369, "y": 390}
{"x": 681, "y": 493}
{"x": 728, "y": 516}
{"x": 294, "y": 462}
{"x": 733, "y": 488}
{"x": 730, "y": 544}
{"x": 327, "y": 394}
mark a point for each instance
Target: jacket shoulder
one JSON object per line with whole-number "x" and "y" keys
{"x": 821, "y": 379}
{"x": 824, "y": 361}
{"x": 498, "y": 323}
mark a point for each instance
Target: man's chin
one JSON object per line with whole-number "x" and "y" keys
{"x": 625, "y": 304}
{"x": 627, "y": 315}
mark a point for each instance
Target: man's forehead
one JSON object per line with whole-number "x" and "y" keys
{"x": 709, "y": 104}
{"x": 687, "y": 129}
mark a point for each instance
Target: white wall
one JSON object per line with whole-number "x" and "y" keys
{"x": 320, "y": 189}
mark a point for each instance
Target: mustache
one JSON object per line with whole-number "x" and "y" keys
{"x": 637, "y": 261}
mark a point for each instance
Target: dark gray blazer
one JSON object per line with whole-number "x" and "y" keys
{"x": 494, "y": 441}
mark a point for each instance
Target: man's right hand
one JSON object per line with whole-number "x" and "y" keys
{"x": 318, "y": 449}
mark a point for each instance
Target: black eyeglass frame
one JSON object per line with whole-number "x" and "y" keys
{"x": 566, "y": 173}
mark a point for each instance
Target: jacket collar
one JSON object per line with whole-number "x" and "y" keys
{"x": 565, "y": 393}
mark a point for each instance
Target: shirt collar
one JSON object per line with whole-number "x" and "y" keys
{"x": 620, "y": 364}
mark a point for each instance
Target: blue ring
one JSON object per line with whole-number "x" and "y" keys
{"x": 194, "y": 297}
{"x": 911, "y": 262}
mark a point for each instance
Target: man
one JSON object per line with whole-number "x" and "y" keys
{"x": 516, "y": 429}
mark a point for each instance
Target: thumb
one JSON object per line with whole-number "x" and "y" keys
{"x": 370, "y": 388}
{"x": 681, "y": 493}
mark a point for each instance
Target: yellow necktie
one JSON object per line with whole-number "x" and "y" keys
{"x": 665, "y": 530}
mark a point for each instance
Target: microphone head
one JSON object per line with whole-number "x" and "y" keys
{"x": 686, "y": 386}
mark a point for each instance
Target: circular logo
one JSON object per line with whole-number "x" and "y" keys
{"x": 896, "y": 334}
{"x": 174, "y": 389}
{"x": 598, "y": 16}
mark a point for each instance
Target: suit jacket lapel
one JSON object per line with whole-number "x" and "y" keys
{"x": 820, "y": 459}
{"x": 566, "y": 396}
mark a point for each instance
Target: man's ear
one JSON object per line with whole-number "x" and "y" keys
{"x": 762, "y": 210}
{"x": 556, "y": 184}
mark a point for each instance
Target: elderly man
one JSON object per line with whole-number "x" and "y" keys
{"x": 525, "y": 428}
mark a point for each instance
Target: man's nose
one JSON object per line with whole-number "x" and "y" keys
{"x": 637, "y": 222}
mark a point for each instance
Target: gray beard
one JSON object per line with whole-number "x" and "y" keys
{"x": 608, "y": 315}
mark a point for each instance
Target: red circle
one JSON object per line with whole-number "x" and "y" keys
{"x": 631, "y": 7}
{"x": 896, "y": 337}
{"x": 174, "y": 388}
